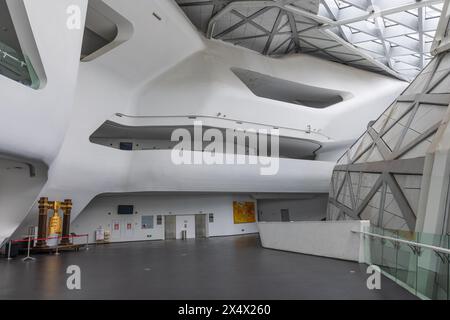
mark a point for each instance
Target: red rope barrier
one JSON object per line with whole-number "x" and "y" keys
{"x": 41, "y": 239}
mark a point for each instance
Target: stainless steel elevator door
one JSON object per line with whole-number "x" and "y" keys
{"x": 170, "y": 228}
{"x": 200, "y": 225}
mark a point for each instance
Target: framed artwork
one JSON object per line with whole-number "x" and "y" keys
{"x": 243, "y": 212}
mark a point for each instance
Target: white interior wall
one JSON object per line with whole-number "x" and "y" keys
{"x": 102, "y": 211}
{"x": 18, "y": 191}
{"x": 166, "y": 68}
{"x": 308, "y": 208}
{"x": 45, "y": 113}
{"x": 334, "y": 239}
{"x": 217, "y": 89}
{"x": 185, "y": 223}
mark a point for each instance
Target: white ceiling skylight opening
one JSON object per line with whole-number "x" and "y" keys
{"x": 397, "y": 33}
{"x": 392, "y": 37}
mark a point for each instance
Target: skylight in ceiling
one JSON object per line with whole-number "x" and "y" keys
{"x": 398, "y": 33}
{"x": 384, "y": 36}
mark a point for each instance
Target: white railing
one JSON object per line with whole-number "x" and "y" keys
{"x": 195, "y": 116}
{"x": 407, "y": 242}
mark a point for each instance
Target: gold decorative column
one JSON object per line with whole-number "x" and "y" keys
{"x": 42, "y": 226}
{"x": 67, "y": 208}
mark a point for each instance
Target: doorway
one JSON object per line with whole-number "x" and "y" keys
{"x": 285, "y": 215}
{"x": 170, "y": 228}
{"x": 200, "y": 226}
{"x": 185, "y": 223}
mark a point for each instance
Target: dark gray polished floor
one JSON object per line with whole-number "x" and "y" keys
{"x": 215, "y": 268}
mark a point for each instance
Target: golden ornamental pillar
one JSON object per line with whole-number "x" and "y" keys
{"x": 67, "y": 209}
{"x": 42, "y": 226}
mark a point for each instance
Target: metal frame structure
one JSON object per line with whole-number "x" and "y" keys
{"x": 384, "y": 36}
{"x": 441, "y": 40}
{"x": 399, "y": 33}
{"x": 411, "y": 123}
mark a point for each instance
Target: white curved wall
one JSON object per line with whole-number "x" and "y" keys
{"x": 33, "y": 122}
{"x": 167, "y": 68}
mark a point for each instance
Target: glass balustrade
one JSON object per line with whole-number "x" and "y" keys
{"x": 423, "y": 270}
{"x": 13, "y": 66}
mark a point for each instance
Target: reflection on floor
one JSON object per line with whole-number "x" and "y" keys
{"x": 216, "y": 268}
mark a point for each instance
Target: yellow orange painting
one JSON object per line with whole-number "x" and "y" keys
{"x": 244, "y": 212}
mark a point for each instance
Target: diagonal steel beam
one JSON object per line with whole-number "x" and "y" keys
{"x": 294, "y": 30}
{"x": 232, "y": 6}
{"x": 380, "y": 144}
{"x": 405, "y": 208}
{"x": 273, "y": 32}
{"x": 242, "y": 22}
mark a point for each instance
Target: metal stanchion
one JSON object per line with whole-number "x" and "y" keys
{"x": 87, "y": 242}
{"x": 28, "y": 257}
{"x": 56, "y": 252}
{"x": 9, "y": 250}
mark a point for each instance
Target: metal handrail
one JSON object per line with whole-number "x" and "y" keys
{"x": 194, "y": 116}
{"x": 410, "y": 243}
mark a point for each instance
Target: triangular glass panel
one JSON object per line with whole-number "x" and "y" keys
{"x": 344, "y": 159}
{"x": 380, "y": 123}
{"x": 368, "y": 180}
{"x": 344, "y": 196}
{"x": 374, "y": 155}
{"x": 246, "y": 30}
{"x": 280, "y": 43}
{"x": 397, "y": 112}
{"x": 247, "y": 11}
{"x": 360, "y": 147}
{"x": 427, "y": 115}
{"x": 199, "y": 15}
{"x": 354, "y": 148}
{"x": 372, "y": 210}
{"x": 442, "y": 87}
{"x": 333, "y": 212}
{"x": 337, "y": 181}
{"x": 284, "y": 25}
{"x": 419, "y": 83}
{"x": 257, "y": 44}
{"x": 420, "y": 149}
{"x": 333, "y": 178}
{"x": 354, "y": 181}
{"x": 444, "y": 64}
{"x": 410, "y": 186}
{"x": 392, "y": 136}
{"x": 362, "y": 158}
{"x": 267, "y": 19}
{"x": 394, "y": 112}
{"x": 224, "y": 23}
{"x": 392, "y": 216}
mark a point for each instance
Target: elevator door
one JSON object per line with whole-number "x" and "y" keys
{"x": 170, "y": 227}
{"x": 200, "y": 225}
{"x": 285, "y": 215}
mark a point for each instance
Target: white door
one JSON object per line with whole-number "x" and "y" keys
{"x": 128, "y": 227}
{"x": 186, "y": 223}
{"x": 116, "y": 226}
